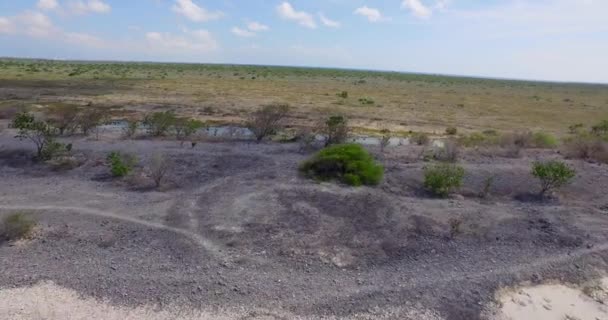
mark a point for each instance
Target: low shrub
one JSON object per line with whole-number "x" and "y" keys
{"x": 421, "y": 139}
{"x": 17, "y": 226}
{"x": 586, "y": 146}
{"x": 336, "y": 130}
{"x": 385, "y": 139}
{"x": 131, "y": 128}
{"x": 552, "y": 175}
{"x": 267, "y": 120}
{"x": 343, "y": 94}
{"x": 451, "y": 131}
{"x": 448, "y": 153}
{"x": 348, "y": 163}
{"x": 120, "y": 165}
{"x": 600, "y": 129}
{"x": 544, "y": 140}
{"x": 442, "y": 179}
{"x": 159, "y": 123}
{"x": 159, "y": 168}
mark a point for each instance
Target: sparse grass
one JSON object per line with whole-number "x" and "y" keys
{"x": 15, "y": 226}
{"x": 347, "y": 163}
{"x": 438, "y": 102}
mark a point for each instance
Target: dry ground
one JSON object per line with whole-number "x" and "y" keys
{"x": 237, "y": 233}
{"x": 402, "y": 102}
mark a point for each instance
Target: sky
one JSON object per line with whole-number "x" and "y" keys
{"x": 557, "y": 40}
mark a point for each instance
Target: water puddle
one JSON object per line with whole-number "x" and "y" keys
{"x": 235, "y": 132}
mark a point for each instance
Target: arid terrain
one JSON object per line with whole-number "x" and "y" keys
{"x": 375, "y": 100}
{"x": 236, "y": 233}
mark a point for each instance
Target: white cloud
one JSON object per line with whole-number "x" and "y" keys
{"x": 242, "y": 32}
{"x": 372, "y": 14}
{"x": 418, "y": 9}
{"x": 6, "y": 26}
{"x": 90, "y": 6}
{"x": 47, "y": 4}
{"x": 36, "y": 24}
{"x": 328, "y": 22}
{"x": 192, "y": 41}
{"x": 84, "y": 39}
{"x": 287, "y": 12}
{"x": 194, "y": 12}
{"x": 257, "y": 27}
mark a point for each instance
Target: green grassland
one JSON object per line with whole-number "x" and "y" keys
{"x": 376, "y": 100}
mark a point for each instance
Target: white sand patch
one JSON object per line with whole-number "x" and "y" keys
{"x": 555, "y": 302}
{"x": 47, "y": 301}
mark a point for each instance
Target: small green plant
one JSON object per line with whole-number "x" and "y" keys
{"x": 544, "y": 140}
{"x": 184, "y": 128}
{"x": 552, "y": 175}
{"x": 120, "y": 165}
{"x": 575, "y": 128}
{"x": 451, "y": 131}
{"x": 347, "y": 163}
{"x": 17, "y": 226}
{"x": 336, "y": 130}
{"x": 600, "y": 129}
{"x": 159, "y": 123}
{"x": 441, "y": 179}
{"x": 343, "y": 94}
{"x": 36, "y": 131}
{"x": 366, "y": 101}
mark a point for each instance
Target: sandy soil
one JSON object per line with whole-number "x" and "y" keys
{"x": 236, "y": 230}
{"x": 555, "y": 302}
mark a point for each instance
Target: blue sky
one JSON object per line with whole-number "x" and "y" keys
{"x": 563, "y": 40}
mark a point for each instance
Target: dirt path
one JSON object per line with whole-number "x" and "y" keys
{"x": 199, "y": 240}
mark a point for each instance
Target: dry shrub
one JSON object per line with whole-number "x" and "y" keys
{"x": 63, "y": 117}
{"x": 267, "y": 120}
{"x": 586, "y": 147}
{"x": 16, "y": 226}
{"x": 421, "y": 139}
{"x": 159, "y": 168}
{"x": 449, "y": 153}
{"x": 306, "y": 138}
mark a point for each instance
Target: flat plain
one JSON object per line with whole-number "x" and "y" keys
{"x": 237, "y": 232}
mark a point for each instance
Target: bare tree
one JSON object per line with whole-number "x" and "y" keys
{"x": 159, "y": 168}
{"x": 63, "y": 117}
{"x": 385, "y": 140}
{"x": 90, "y": 119}
{"x": 267, "y": 120}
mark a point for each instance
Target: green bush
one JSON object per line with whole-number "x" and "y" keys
{"x": 120, "y": 165}
{"x": 17, "y": 226}
{"x": 544, "y": 140}
{"x": 347, "y": 163}
{"x": 441, "y": 179}
{"x": 36, "y": 131}
{"x": 552, "y": 174}
{"x": 601, "y": 129}
{"x": 343, "y": 94}
{"x": 159, "y": 123}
